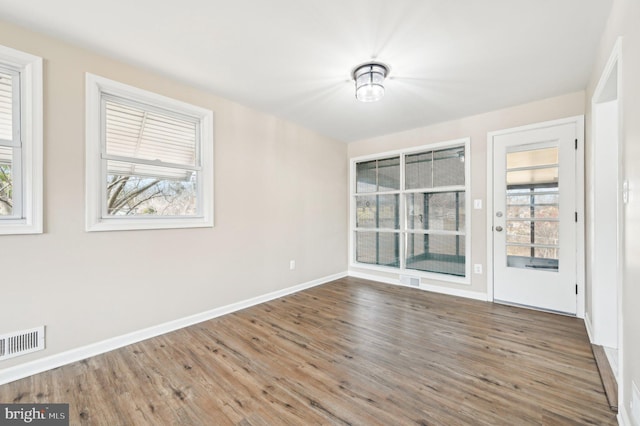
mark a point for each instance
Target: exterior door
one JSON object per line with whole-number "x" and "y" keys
{"x": 534, "y": 218}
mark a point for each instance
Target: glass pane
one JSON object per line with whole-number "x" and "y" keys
{"x": 418, "y": 171}
{"x": 527, "y": 212}
{"x": 544, "y": 259}
{"x": 133, "y": 131}
{"x": 6, "y": 181}
{"x": 537, "y": 199}
{"x": 532, "y": 158}
{"x": 366, "y": 177}
{"x": 6, "y": 106}
{"x": 389, "y": 174}
{"x": 378, "y": 248}
{"x": 546, "y": 212}
{"x": 135, "y": 190}
{"x": 532, "y": 176}
{"x": 377, "y": 211}
{"x": 543, "y": 232}
{"x": 436, "y": 211}
{"x": 518, "y": 251}
{"x": 436, "y": 253}
{"x": 546, "y": 253}
{"x": 448, "y": 167}
{"x": 532, "y": 193}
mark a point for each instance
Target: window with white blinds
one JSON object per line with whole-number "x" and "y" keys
{"x": 409, "y": 211}
{"x": 10, "y": 145}
{"x": 20, "y": 142}
{"x": 151, "y": 159}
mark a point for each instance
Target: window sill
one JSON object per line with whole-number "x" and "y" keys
{"x": 19, "y": 227}
{"x": 135, "y": 224}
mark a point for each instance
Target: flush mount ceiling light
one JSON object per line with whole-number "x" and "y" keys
{"x": 369, "y": 80}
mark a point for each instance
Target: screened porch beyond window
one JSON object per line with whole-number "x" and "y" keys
{"x": 410, "y": 211}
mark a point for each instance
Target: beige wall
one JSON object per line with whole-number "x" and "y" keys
{"x": 280, "y": 194}
{"x": 623, "y": 21}
{"x": 476, "y": 127}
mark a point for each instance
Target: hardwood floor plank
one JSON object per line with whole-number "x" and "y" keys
{"x": 606, "y": 375}
{"x": 348, "y": 352}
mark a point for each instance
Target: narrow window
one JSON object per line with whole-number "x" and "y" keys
{"x": 151, "y": 160}
{"x": 20, "y": 142}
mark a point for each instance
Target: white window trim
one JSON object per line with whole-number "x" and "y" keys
{"x": 94, "y": 186}
{"x": 402, "y": 153}
{"x": 31, "y": 129}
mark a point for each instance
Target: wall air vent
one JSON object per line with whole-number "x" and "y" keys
{"x": 410, "y": 281}
{"x": 21, "y": 342}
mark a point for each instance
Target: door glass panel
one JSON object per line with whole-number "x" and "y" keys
{"x": 529, "y": 176}
{"x": 532, "y": 209}
{"x": 538, "y": 211}
{"x": 532, "y": 232}
{"x": 532, "y": 158}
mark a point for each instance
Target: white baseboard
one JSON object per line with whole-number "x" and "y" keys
{"x": 429, "y": 287}
{"x": 589, "y": 327}
{"x": 17, "y": 372}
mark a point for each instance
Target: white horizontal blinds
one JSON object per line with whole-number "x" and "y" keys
{"x": 146, "y": 141}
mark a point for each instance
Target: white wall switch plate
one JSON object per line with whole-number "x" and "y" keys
{"x": 292, "y": 265}
{"x": 477, "y": 204}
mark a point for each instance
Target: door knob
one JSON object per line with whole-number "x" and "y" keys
{"x": 499, "y": 228}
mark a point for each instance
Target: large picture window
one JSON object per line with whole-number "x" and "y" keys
{"x": 149, "y": 159}
{"x": 410, "y": 210}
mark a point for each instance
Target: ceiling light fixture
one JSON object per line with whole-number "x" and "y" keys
{"x": 369, "y": 80}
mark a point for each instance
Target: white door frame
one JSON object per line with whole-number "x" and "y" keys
{"x": 614, "y": 63}
{"x": 580, "y": 261}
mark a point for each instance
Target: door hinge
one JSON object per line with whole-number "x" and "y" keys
{"x": 576, "y": 144}
{"x": 576, "y": 217}
{"x": 576, "y": 288}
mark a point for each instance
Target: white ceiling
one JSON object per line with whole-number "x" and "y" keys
{"x": 293, "y": 58}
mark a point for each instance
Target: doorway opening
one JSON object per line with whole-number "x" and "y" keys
{"x": 605, "y": 228}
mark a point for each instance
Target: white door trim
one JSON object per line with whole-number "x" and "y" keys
{"x": 580, "y": 243}
{"x": 615, "y": 63}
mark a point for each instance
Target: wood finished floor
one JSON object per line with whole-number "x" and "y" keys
{"x": 348, "y": 352}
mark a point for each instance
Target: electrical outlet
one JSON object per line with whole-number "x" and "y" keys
{"x": 477, "y": 268}
{"x": 292, "y": 265}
